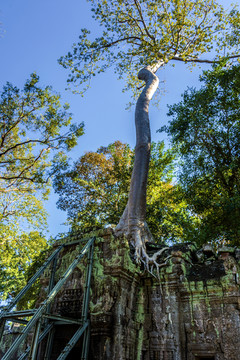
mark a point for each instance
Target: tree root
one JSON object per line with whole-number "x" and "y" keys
{"x": 138, "y": 235}
{"x": 150, "y": 262}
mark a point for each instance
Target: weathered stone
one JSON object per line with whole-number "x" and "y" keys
{"x": 208, "y": 249}
{"x": 226, "y": 249}
{"x": 191, "y": 312}
{"x": 200, "y": 256}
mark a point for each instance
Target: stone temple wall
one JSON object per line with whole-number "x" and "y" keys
{"x": 190, "y": 312}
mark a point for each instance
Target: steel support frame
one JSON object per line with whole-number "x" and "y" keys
{"x": 72, "y": 342}
{"x": 13, "y": 303}
{"x": 85, "y": 308}
{"x": 85, "y": 328}
{"x": 34, "y": 347}
{"x": 45, "y": 332}
{"x": 41, "y": 311}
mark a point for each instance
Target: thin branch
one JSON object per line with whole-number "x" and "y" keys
{"x": 134, "y": 20}
{"x": 24, "y": 114}
{"x": 138, "y": 6}
{"x": 16, "y": 189}
{"x": 140, "y": 87}
{"x": 46, "y": 142}
{"x": 13, "y": 161}
{"x": 169, "y": 20}
{"x": 17, "y": 177}
{"x": 119, "y": 40}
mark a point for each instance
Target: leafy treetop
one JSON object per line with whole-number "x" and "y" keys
{"x": 140, "y": 33}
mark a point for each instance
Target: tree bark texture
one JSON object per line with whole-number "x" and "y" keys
{"x": 132, "y": 223}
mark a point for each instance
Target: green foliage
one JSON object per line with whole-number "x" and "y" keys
{"x": 94, "y": 193}
{"x": 29, "y": 299}
{"x": 139, "y": 33}
{"x": 17, "y": 252}
{"x": 33, "y": 126}
{"x": 206, "y": 128}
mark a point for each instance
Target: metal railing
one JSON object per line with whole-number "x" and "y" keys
{"x": 42, "y": 313}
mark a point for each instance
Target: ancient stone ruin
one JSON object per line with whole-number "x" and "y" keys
{"x": 190, "y": 312}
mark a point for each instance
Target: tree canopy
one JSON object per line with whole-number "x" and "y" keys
{"x": 205, "y": 126}
{"x": 33, "y": 126}
{"x": 140, "y": 37}
{"x": 139, "y": 33}
{"x": 95, "y": 191}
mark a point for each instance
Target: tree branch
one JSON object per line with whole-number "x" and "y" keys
{"x": 119, "y": 40}
{"x": 46, "y": 142}
{"x": 206, "y": 61}
{"x": 133, "y": 20}
{"x": 138, "y": 6}
{"x": 19, "y": 119}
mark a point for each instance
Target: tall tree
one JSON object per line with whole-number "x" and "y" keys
{"x": 33, "y": 126}
{"x": 95, "y": 192}
{"x": 205, "y": 126}
{"x": 146, "y": 35}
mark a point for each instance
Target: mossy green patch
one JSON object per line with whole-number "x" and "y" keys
{"x": 140, "y": 316}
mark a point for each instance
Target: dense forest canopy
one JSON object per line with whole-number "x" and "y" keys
{"x": 139, "y": 33}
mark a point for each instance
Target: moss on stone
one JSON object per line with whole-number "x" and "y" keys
{"x": 140, "y": 316}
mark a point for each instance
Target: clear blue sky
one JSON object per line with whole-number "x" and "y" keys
{"x": 36, "y": 34}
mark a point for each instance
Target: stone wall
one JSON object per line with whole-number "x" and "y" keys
{"x": 190, "y": 312}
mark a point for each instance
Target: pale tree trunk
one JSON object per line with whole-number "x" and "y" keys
{"x": 133, "y": 221}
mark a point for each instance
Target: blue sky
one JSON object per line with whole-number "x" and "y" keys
{"x": 36, "y": 34}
